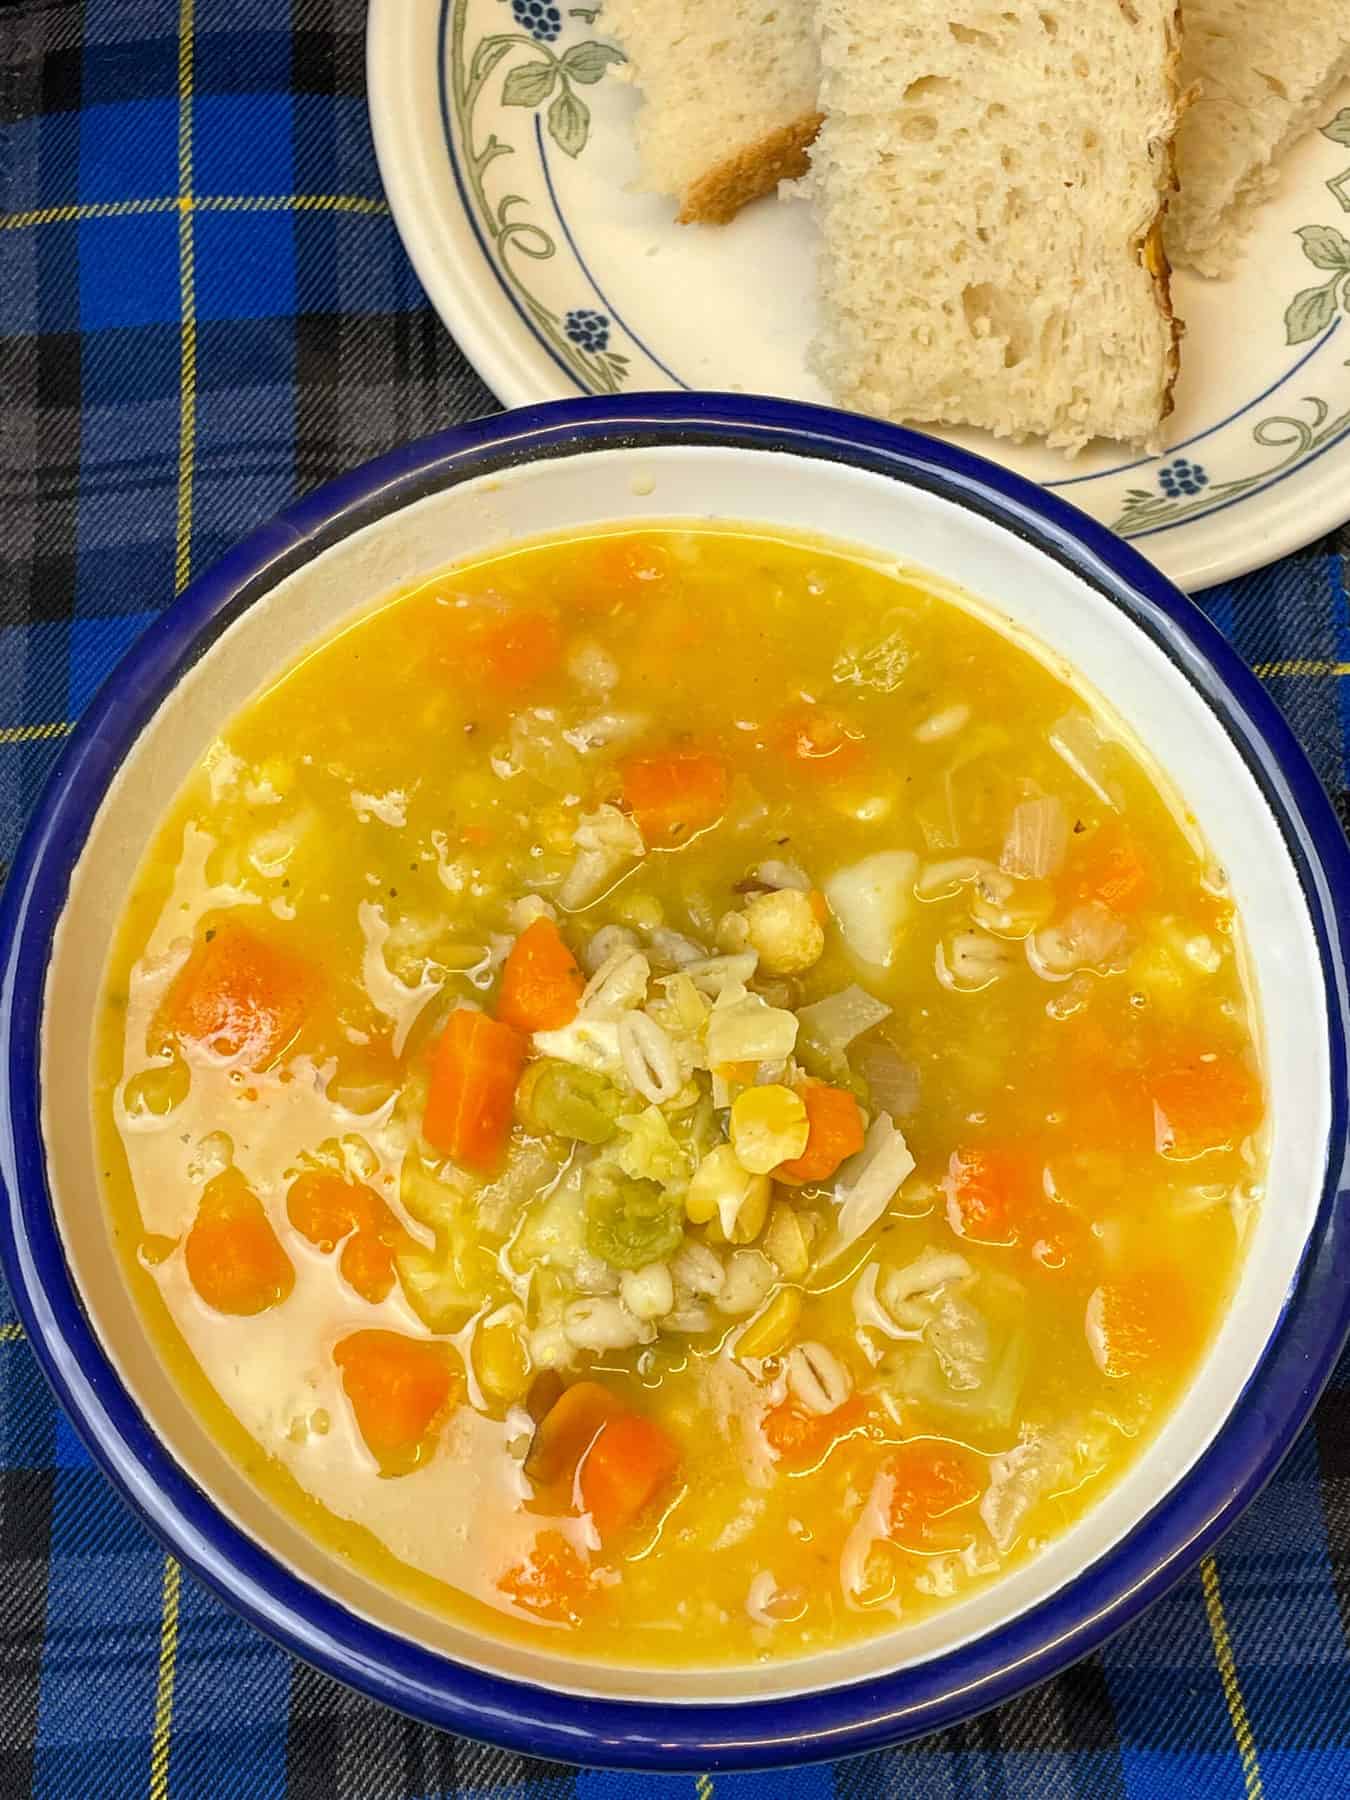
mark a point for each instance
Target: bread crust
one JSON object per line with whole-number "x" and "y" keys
{"x": 755, "y": 170}
{"x": 1153, "y": 253}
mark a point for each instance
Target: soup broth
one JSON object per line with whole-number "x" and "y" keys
{"x": 681, "y": 1088}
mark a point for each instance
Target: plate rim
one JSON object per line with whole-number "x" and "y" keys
{"x": 520, "y": 371}
{"x": 829, "y": 1722}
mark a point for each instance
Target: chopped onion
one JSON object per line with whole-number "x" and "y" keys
{"x": 1090, "y": 937}
{"x": 1076, "y": 739}
{"x": 942, "y": 724}
{"x": 604, "y": 731}
{"x": 892, "y": 1082}
{"x": 832, "y": 1024}
{"x": 868, "y": 1182}
{"x": 608, "y": 840}
{"x": 775, "y": 874}
{"x": 941, "y": 879}
{"x": 1016, "y": 1482}
{"x": 1037, "y": 838}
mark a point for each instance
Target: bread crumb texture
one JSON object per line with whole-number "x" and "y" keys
{"x": 989, "y": 181}
{"x": 728, "y": 98}
{"x": 1260, "y": 73}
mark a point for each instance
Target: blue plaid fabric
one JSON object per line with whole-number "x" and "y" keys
{"x": 204, "y": 311}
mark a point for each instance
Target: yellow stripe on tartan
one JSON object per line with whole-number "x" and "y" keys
{"x": 34, "y": 734}
{"x": 1302, "y": 665}
{"x": 11, "y": 1333}
{"x": 1228, "y": 1677}
{"x": 187, "y": 374}
{"x": 704, "y": 1787}
{"x": 120, "y": 209}
{"x": 348, "y": 203}
{"x": 161, "y": 1742}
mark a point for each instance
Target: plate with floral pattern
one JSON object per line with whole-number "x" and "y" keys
{"x": 506, "y": 146}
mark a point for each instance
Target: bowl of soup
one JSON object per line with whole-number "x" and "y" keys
{"x": 676, "y": 1082}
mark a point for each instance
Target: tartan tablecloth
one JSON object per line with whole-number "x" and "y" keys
{"x": 205, "y": 311}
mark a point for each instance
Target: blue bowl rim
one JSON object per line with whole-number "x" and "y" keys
{"x": 830, "y": 1722}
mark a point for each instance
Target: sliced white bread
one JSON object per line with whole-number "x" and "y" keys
{"x": 989, "y": 182}
{"x": 728, "y": 97}
{"x": 1261, "y": 72}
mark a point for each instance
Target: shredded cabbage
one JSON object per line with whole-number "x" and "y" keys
{"x": 868, "y": 1182}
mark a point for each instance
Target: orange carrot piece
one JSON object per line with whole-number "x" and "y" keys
{"x": 513, "y": 651}
{"x": 802, "y": 1439}
{"x": 326, "y": 1207}
{"x": 234, "y": 1258}
{"x": 401, "y": 1390}
{"x": 675, "y": 794}
{"x": 928, "y": 1479}
{"x": 620, "y": 572}
{"x": 367, "y": 1264}
{"x": 1109, "y": 869}
{"x": 541, "y": 982}
{"x": 1141, "y": 1324}
{"x": 474, "y": 1071}
{"x": 1202, "y": 1100}
{"x": 836, "y": 1131}
{"x": 820, "y": 743}
{"x": 568, "y": 1429}
{"x": 628, "y": 1464}
{"x": 551, "y": 1583}
{"x": 991, "y": 1193}
{"x": 240, "y": 994}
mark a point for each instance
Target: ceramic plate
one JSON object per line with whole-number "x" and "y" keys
{"x": 507, "y": 152}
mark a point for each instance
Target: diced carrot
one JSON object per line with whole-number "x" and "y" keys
{"x": 367, "y": 1264}
{"x": 325, "y": 1207}
{"x": 1142, "y": 1324}
{"x": 820, "y": 743}
{"x": 1110, "y": 869}
{"x": 401, "y": 1390}
{"x": 1202, "y": 1100}
{"x": 929, "y": 1478}
{"x": 474, "y": 1071}
{"x": 567, "y": 1431}
{"x": 628, "y": 1464}
{"x": 541, "y": 982}
{"x": 234, "y": 1258}
{"x": 836, "y": 1131}
{"x": 551, "y": 1583}
{"x": 991, "y": 1193}
{"x": 621, "y": 572}
{"x": 511, "y": 651}
{"x": 477, "y": 837}
{"x": 675, "y": 794}
{"x": 240, "y": 994}
{"x": 802, "y": 1439}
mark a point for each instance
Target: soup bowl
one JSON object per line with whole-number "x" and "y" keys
{"x": 1058, "y": 581}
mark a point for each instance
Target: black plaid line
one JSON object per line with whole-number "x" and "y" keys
{"x": 341, "y": 1746}
{"x": 366, "y": 384}
{"x": 25, "y": 1543}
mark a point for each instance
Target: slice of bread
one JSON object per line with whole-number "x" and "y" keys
{"x": 989, "y": 181}
{"x": 1262, "y": 71}
{"x": 728, "y": 97}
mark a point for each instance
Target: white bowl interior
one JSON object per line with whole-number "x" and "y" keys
{"x": 1030, "y": 591}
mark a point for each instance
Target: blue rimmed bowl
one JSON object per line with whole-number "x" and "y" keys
{"x": 1064, "y": 583}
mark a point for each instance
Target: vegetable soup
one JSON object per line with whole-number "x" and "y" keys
{"x": 682, "y": 1088}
